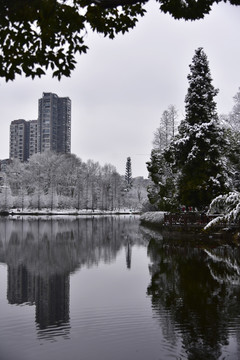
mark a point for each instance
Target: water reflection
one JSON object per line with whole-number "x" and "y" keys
{"x": 192, "y": 309}
{"x": 41, "y": 254}
{"x": 195, "y": 292}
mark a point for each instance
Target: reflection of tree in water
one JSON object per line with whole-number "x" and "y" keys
{"x": 224, "y": 265}
{"x": 41, "y": 254}
{"x": 53, "y": 246}
{"x": 188, "y": 299}
{"x": 128, "y": 249}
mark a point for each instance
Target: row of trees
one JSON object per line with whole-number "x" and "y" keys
{"x": 201, "y": 161}
{"x": 50, "y": 180}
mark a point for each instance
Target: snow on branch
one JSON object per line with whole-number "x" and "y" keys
{"x": 228, "y": 206}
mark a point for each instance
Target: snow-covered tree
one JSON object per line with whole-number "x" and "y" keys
{"x": 198, "y": 149}
{"x": 137, "y": 195}
{"x": 233, "y": 157}
{"x": 228, "y": 205}
{"x": 6, "y": 199}
{"x": 128, "y": 173}
{"x": 41, "y": 177}
{"x": 18, "y": 183}
{"x": 192, "y": 170}
{"x": 231, "y": 123}
{"x": 166, "y": 130}
{"x": 233, "y": 118}
{"x": 91, "y": 185}
{"x": 162, "y": 190}
{"x": 78, "y": 190}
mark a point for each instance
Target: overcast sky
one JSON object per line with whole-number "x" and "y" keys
{"x": 121, "y": 87}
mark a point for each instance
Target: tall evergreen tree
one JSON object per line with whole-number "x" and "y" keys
{"x": 128, "y": 173}
{"x": 198, "y": 148}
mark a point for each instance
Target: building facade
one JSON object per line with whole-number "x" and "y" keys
{"x": 23, "y": 139}
{"x": 52, "y": 130}
{"x": 32, "y": 136}
{"x": 18, "y": 140}
{"x": 54, "y": 123}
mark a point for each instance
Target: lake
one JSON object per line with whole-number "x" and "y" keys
{"x": 106, "y": 288}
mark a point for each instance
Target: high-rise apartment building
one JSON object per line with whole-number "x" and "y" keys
{"x": 33, "y": 136}
{"x": 54, "y": 123}
{"x": 23, "y": 139}
{"x": 52, "y": 130}
{"x": 18, "y": 140}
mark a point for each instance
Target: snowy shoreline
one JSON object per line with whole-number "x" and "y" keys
{"x": 66, "y": 212}
{"x": 154, "y": 218}
{"x": 220, "y": 232}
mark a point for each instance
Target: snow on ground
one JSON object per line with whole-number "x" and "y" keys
{"x": 70, "y": 212}
{"x": 153, "y": 217}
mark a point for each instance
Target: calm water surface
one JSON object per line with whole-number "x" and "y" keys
{"x": 104, "y": 288}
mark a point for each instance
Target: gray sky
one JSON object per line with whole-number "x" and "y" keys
{"x": 121, "y": 87}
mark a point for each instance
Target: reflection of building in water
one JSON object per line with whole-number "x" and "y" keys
{"x": 50, "y": 295}
{"x": 52, "y": 300}
{"x": 21, "y": 286}
{"x": 41, "y": 254}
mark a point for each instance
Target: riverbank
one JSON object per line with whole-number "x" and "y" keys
{"x": 184, "y": 224}
{"x": 189, "y": 221}
{"x": 153, "y": 218}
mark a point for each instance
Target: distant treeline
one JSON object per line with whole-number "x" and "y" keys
{"x": 54, "y": 181}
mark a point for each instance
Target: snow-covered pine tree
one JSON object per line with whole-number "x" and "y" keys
{"x": 199, "y": 147}
{"x": 162, "y": 190}
{"x": 128, "y": 173}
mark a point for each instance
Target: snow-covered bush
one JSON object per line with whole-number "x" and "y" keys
{"x": 228, "y": 208}
{"x": 153, "y": 217}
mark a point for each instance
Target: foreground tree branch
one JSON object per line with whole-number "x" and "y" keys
{"x": 38, "y": 34}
